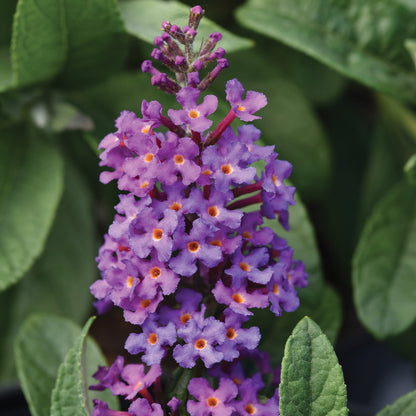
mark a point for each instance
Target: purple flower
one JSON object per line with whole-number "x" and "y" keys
{"x": 281, "y": 294}
{"x": 156, "y": 274}
{"x": 151, "y": 341}
{"x": 238, "y": 299}
{"x": 177, "y": 156}
{"x": 224, "y": 163}
{"x": 236, "y": 336}
{"x": 250, "y": 232}
{"x": 141, "y": 407}
{"x": 200, "y": 342}
{"x": 189, "y": 301}
{"x": 210, "y": 401}
{"x": 140, "y": 308}
{"x": 135, "y": 379}
{"x": 249, "y": 405}
{"x": 148, "y": 232}
{"x": 244, "y": 108}
{"x": 251, "y": 267}
{"x": 128, "y": 208}
{"x": 193, "y": 115}
{"x": 107, "y": 376}
{"x": 194, "y": 247}
{"x": 101, "y": 409}
{"x": 213, "y": 210}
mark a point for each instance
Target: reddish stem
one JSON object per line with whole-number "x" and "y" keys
{"x": 255, "y": 199}
{"x": 247, "y": 189}
{"x": 216, "y": 134}
{"x": 145, "y": 393}
{"x": 167, "y": 122}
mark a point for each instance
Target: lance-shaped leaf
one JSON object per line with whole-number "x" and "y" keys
{"x": 31, "y": 182}
{"x": 361, "y": 39}
{"x": 312, "y": 380}
{"x": 384, "y": 265}
{"x": 80, "y": 41}
{"x": 143, "y": 19}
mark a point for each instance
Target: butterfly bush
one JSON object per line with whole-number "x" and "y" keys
{"x": 188, "y": 256}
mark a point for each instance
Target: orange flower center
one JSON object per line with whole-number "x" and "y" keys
{"x": 244, "y": 266}
{"x": 213, "y": 211}
{"x": 193, "y": 114}
{"x": 145, "y": 184}
{"x": 146, "y": 129}
{"x": 250, "y": 409}
{"x": 275, "y": 289}
{"x": 241, "y": 108}
{"x": 237, "y": 298}
{"x": 247, "y": 235}
{"x": 193, "y": 246}
{"x": 226, "y": 169}
{"x": 276, "y": 181}
{"x": 148, "y": 157}
{"x": 216, "y": 243}
{"x": 185, "y": 317}
{"x": 152, "y": 338}
{"x": 130, "y": 281}
{"x": 212, "y": 401}
{"x": 155, "y": 272}
{"x": 145, "y": 303}
{"x": 200, "y": 344}
{"x": 179, "y": 159}
{"x": 207, "y": 172}
{"x": 231, "y": 334}
{"x": 157, "y": 234}
{"x": 176, "y": 206}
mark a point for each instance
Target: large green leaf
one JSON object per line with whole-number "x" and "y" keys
{"x": 43, "y": 343}
{"x": 31, "y": 178}
{"x": 78, "y": 41}
{"x": 56, "y": 283}
{"x": 70, "y": 396}
{"x": 384, "y": 265}
{"x": 312, "y": 380}
{"x": 363, "y": 39}
{"x": 404, "y": 406}
{"x": 143, "y": 18}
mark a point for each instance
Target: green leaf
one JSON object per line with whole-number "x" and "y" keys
{"x": 363, "y": 40}
{"x": 41, "y": 346}
{"x": 404, "y": 406}
{"x": 56, "y": 283}
{"x": 31, "y": 177}
{"x": 312, "y": 380}
{"x": 81, "y": 42}
{"x": 384, "y": 265}
{"x": 70, "y": 394}
{"x": 410, "y": 169}
{"x": 6, "y": 74}
{"x": 7, "y": 9}
{"x": 143, "y": 19}
{"x": 411, "y": 47}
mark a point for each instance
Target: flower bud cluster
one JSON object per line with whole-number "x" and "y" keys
{"x": 175, "y": 51}
{"x": 188, "y": 256}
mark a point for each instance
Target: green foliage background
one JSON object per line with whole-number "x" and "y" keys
{"x": 341, "y": 85}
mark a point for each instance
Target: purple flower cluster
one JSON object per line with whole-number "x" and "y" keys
{"x": 185, "y": 258}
